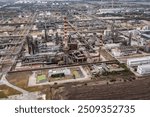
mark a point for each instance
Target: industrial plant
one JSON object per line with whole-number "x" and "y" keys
{"x": 74, "y": 49}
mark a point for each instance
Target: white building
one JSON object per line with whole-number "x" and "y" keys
{"x": 123, "y": 51}
{"x": 112, "y": 45}
{"x": 116, "y": 52}
{"x": 138, "y": 61}
{"x": 113, "y": 10}
{"x": 59, "y": 72}
{"x": 143, "y": 69}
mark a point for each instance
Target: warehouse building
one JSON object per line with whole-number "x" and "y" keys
{"x": 143, "y": 69}
{"x": 62, "y": 72}
{"x": 124, "y": 51}
{"x": 138, "y": 61}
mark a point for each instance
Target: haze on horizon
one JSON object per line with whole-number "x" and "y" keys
{"x": 81, "y": 0}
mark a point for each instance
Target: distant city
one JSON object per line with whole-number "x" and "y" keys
{"x": 71, "y": 0}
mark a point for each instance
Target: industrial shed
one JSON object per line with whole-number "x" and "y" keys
{"x": 138, "y": 61}
{"x": 62, "y": 72}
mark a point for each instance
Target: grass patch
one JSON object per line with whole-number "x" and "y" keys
{"x": 41, "y": 78}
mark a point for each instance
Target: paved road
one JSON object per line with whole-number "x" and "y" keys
{"x": 28, "y": 96}
{"x": 3, "y": 80}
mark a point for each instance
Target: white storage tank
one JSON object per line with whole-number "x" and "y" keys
{"x": 107, "y": 32}
{"x": 35, "y": 27}
{"x": 143, "y": 69}
{"x": 116, "y": 52}
{"x": 22, "y": 26}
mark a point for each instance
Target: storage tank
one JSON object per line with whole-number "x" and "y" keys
{"x": 145, "y": 28}
{"x": 147, "y": 48}
{"x": 35, "y": 27}
{"x": 22, "y": 26}
{"x": 107, "y": 32}
{"x": 6, "y": 33}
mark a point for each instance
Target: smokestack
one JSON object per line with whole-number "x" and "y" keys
{"x": 45, "y": 29}
{"x": 112, "y": 3}
{"x": 65, "y": 33}
{"x": 112, "y": 31}
{"x": 130, "y": 38}
{"x": 28, "y": 38}
{"x": 57, "y": 38}
{"x": 66, "y": 48}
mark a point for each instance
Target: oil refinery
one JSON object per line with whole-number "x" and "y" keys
{"x": 74, "y": 49}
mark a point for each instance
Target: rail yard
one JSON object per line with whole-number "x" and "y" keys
{"x": 74, "y": 50}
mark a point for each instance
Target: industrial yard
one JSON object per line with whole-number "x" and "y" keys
{"x": 74, "y": 49}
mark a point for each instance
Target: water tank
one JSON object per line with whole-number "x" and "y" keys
{"x": 147, "y": 48}
{"x": 146, "y": 28}
{"x": 107, "y": 32}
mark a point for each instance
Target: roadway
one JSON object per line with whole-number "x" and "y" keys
{"x": 3, "y": 79}
{"x": 70, "y": 65}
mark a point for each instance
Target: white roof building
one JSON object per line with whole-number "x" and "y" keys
{"x": 113, "y": 10}
{"x": 138, "y": 61}
{"x": 112, "y": 45}
{"x": 143, "y": 69}
{"x": 64, "y": 71}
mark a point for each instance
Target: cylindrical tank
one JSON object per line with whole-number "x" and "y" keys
{"x": 107, "y": 32}
{"x": 147, "y": 48}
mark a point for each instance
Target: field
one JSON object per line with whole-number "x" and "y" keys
{"x": 136, "y": 89}
{"x": 116, "y": 86}
{"x": 21, "y": 80}
{"x": 6, "y": 91}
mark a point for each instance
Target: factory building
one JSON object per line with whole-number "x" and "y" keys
{"x": 138, "y": 61}
{"x": 143, "y": 69}
{"x": 124, "y": 51}
{"x": 62, "y": 72}
{"x": 78, "y": 56}
{"x": 112, "y": 46}
{"x": 111, "y": 11}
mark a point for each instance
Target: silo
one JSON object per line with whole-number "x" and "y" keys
{"x": 147, "y": 48}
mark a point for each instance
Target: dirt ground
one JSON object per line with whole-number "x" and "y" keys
{"x": 7, "y": 91}
{"x": 127, "y": 88}
{"x": 21, "y": 80}
{"x": 135, "y": 89}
